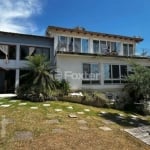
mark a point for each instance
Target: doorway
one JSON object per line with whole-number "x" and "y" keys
{"x": 7, "y": 81}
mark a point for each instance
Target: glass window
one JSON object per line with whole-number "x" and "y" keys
{"x": 94, "y": 71}
{"x": 70, "y": 44}
{"x": 113, "y": 46}
{"x": 24, "y": 52}
{"x": 103, "y": 46}
{"x": 85, "y": 43}
{"x": 62, "y": 43}
{"x": 107, "y": 71}
{"x": 86, "y": 71}
{"x": 125, "y": 49}
{"x": 11, "y": 52}
{"x": 118, "y": 46}
{"x": 95, "y": 46}
{"x": 115, "y": 71}
{"x": 131, "y": 52}
{"x": 123, "y": 71}
{"x": 43, "y": 51}
{"x": 90, "y": 74}
{"x": 77, "y": 44}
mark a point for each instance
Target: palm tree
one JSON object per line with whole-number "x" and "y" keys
{"x": 38, "y": 81}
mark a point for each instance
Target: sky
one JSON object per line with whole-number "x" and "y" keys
{"x": 123, "y": 17}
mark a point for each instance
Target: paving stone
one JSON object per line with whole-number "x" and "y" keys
{"x": 133, "y": 116}
{"x": 131, "y": 122}
{"x": 83, "y": 128}
{"x": 122, "y": 115}
{"x": 57, "y": 130}
{"x": 23, "y": 135}
{"x": 72, "y": 115}
{"x": 58, "y": 110}
{"x": 82, "y": 121}
{"x": 70, "y": 107}
{"x": 142, "y": 133}
{"x": 22, "y": 104}
{"x": 107, "y": 121}
{"x": 104, "y": 128}
{"x": 33, "y": 107}
{"x": 46, "y": 105}
{"x": 103, "y": 112}
{"x": 53, "y": 121}
{"x": 5, "y": 105}
{"x": 80, "y": 112}
{"x": 87, "y": 110}
{"x": 13, "y": 101}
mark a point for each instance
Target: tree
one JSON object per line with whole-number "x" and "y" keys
{"x": 138, "y": 84}
{"x": 38, "y": 81}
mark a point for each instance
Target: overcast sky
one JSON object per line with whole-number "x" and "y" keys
{"x": 124, "y": 17}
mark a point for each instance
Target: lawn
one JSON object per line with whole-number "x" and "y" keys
{"x": 47, "y": 126}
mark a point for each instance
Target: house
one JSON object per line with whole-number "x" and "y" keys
{"x": 93, "y": 60}
{"x": 88, "y": 60}
{"x": 14, "y": 48}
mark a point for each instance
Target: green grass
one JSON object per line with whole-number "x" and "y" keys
{"x": 25, "y": 119}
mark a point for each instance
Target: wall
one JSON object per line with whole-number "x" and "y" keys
{"x": 73, "y": 63}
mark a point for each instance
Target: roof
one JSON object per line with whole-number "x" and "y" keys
{"x": 26, "y": 35}
{"x": 82, "y": 30}
{"x": 103, "y": 55}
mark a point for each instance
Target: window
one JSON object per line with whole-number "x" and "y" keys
{"x": 95, "y": 46}
{"x": 85, "y": 45}
{"x": 62, "y": 43}
{"x": 11, "y": 52}
{"x": 114, "y": 73}
{"x": 128, "y": 50}
{"x": 131, "y": 52}
{"x": 7, "y": 51}
{"x": 28, "y": 50}
{"x": 91, "y": 73}
{"x": 70, "y": 44}
{"x": 103, "y": 47}
{"x": 24, "y": 52}
{"x": 77, "y": 45}
{"x": 43, "y": 51}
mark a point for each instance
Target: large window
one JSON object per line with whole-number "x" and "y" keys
{"x": 7, "y": 51}
{"x": 73, "y": 44}
{"x": 114, "y": 73}
{"x": 128, "y": 50}
{"x": 91, "y": 73}
{"x": 31, "y": 51}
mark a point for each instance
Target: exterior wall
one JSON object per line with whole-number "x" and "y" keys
{"x": 18, "y": 40}
{"x": 68, "y": 64}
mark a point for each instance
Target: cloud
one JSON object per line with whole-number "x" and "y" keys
{"x": 16, "y": 15}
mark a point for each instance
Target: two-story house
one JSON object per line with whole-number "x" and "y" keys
{"x": 88, "y": 60}
{"x": 93, "y": 60}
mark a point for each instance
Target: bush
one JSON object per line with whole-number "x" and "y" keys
{"x": 63, "y": 87}
{"x": 95, "y": 99}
